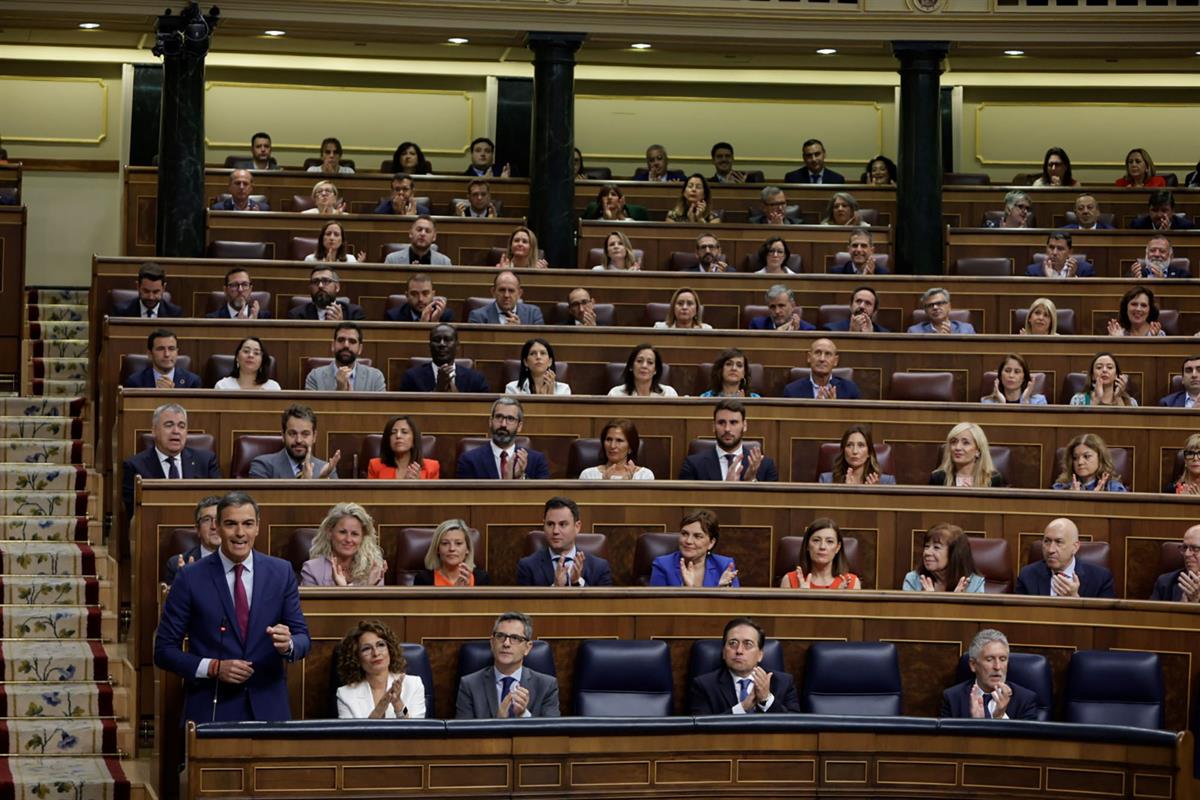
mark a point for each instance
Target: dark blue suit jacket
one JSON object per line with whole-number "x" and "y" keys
{"x": 1101, "y": 225}
{"x": 171, "y": 567}
{"x": 405, "y": 313}
{"x": 1179, "y": 222}
{"x": 198, "y": 606}
{"x": 1174, "y": 399}
{"x": 134, "y": 309}
{"x": 1167, "y": 587}
{"x": 847, "y": 268}
{"x": 705, "y": 467}
{"x": 1172, "y": 272}
{"x": 956, "y": 702}
{"x": 803, "y": 388}
{"x": 420, "y": 379}
{"x": 1036, "y": 270}
{"x": 538, "y": 570}
{"x": 844, "y": 325}
{"x": 223, "y": 313}
{"x": 193, "y": 464}
{"x": 672, "y": 175}
{"x": 664, "y": 570}
{"x": 712, "y": 693}
{"x": 479, "y": 464}
{"x": 802, "y": 175}
{"x": 1093, "y": 581}
{"x": 145, "y": 379}
{"x": 767, "y": 324}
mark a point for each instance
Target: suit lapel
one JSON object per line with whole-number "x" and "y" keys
{"x": 489, "y": 688}
{"x": 217, "y": 574}
{"x": 547, "y": 567}
{"x": 264, "y": 589}
{"x": 714, "y": 463}
{"x": 725, "y": 688}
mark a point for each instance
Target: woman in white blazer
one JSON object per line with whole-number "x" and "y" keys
{"x": 374, "y": 684}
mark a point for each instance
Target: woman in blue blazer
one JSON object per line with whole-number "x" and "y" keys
{"x": 695, "y": 564}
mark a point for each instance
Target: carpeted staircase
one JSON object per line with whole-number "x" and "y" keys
{"x": 66, "y": 687}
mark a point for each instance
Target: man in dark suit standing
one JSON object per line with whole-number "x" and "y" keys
{"x": 561, "y": 563}
{"x": 208, "y": 539}
{"x": 1189, "y": 395}
{"x": 240, "y": 612}
{"x": 151, "y": 302}
{"x": 501, "y": 458}
{"x": 1182, "y": 585}
{"x": 742, "y": 686}
{"x": 168, "y": 457}
{"x": 506, "y": 687}
{"x": 323, "y": 286}
{"x": 506, "y": 307}
{"x": 821, "y": 383}
{"x": 239, "y": 298}
{"x": 729, "y": 460}
{"x": 423, "y": 305}
{"x": 443, "y": 375}
{"x": 1060, "y": 573}
{"x": 814, "y": 170}
{"x": 162, "y": 347}
{"x": 989, "y": 695}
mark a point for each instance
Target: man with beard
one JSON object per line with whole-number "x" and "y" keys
{"x": 345, "y": 373}
{"x": 502, "y": 459}
{"x": 711, "y": 259}
{"x": 729, "y": 460}
{"x": 443, "y": 375}
{"x": 239, "y": 298}
{"x": 296, "y": 460}
{"x": 421, "y": 248}
{"x": 989, "y": 695}
{"x": 323, "y": 286}
{"x": 423, "y": 305}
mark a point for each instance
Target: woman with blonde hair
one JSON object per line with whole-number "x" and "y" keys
{"x": 618, "y": 253}
{"x": 966, "y": 461}
{"x": 522, "y": 251}
{"x": 345, "y": 551}
{"x": 327, "y": 198}
{"x": 1139, "y": 170}
{"x": 1041, "y": 319}
{"x": 450, "y": 559}
{"x": 685, "y": 311}
{"x": 1187, "y": 481}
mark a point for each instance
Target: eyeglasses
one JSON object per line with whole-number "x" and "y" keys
{"x": 936, "y": 303}
{"x": 239, "y": 285}
{"x": 1191, "y": 453}
{"x": 1190, "y": 549}
{"x": 322, "y": 282}
{"x": 1023, "y": 206}
{"x": 515, "y": 638}
{"x": 324, "y": 191}
{"x": 774, "y": 251}
{"x": 505, "y": 418}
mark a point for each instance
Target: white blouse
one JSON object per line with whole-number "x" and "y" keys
{"x": 560, "y": 388}
{"x": 230, "y": 383}
{"x": 354, "y": 699}
{"x": 350, "y": 259}
{"x": 663, "y": 391}
{"x": 593, "y": 474}
{"x": 704, "y": 326}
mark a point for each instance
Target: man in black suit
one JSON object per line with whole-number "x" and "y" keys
{"x": 864, "y": 306}
{"x": 208, "y": 537}
{"x": 423, "y": 305}
{"x": 443, "y": 375}
{"x": 168, "y": 456}
{"x": 483, "y": 161}
{"x": 729, "y": 460}
{"x": 1189, "y": 395}
{"x": 163, "y": 349}
{"x": 239, "y": 298}
{"x": 1182, "y": 585}
{"x": 561, "y": 563}
{"x": 742, "y": 686}
{"x": 1060, "y": 573}
{"x": 1161, "y": 215}
{"x": 1159, "y": 261}
{"x": 581, "y": 308}
{"x": 323, "y": 286}
{"x": 814, "y": 170}
{"x": 989, "y": 695}
{"x": 150, "y": 302}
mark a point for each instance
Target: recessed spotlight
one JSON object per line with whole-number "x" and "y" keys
{"x": 457, "y": 40}
{"x": 89, "y": 26}
{"x": 275, "y": 33}
{"x": 1014, "y": 52}
{"x": 1198, "y": 52}
{"x": 826, "y": 51}
{"x": 641, "y": 46}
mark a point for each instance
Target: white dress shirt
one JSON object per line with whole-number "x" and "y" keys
{"x": 738, "y": 708}
{"x": 1068, "y": 572}
{"x": 723, "y": 461}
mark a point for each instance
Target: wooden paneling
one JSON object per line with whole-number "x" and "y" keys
{"x": 13, "y": 221}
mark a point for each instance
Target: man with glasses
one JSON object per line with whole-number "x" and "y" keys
{"x": 501, "y": 458}
{"x": 936, "y": 303}
{"x": 774, "y": 208}
{"x": 708, "y": 252}
{"x": 506, "y": 688}
{"x": 581, "y": 308}
{"x": 239, "y": 298}
{"x": 1189, "y": 395}
{"x": 208, "y": 538}
{"x": 741, "y": 685}
{"x": 323, "y": 286}
{"x": 1183, "y": 584}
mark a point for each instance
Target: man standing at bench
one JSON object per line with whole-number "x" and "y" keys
{"x": 507, "y": 688}
{"x": 240, "y": 611}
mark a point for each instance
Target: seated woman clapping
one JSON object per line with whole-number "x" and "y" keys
{"x": 450, "y": 560}
{"x": 618, "y": 254}
{"x": 966, "y": 460}
{"x": 1107, "y": 385}
{"x": 331, "y": 246}
{"x": 695, "y": 202}
{"x": 823, "y": 564}
{"x": 842, "y": 210}
{"x": 374, "y": 685}
{"x": 345, "y": 551}
{"x": 1087, "y": 466}
{"x": 522, "y": 251}
{"x": 1187, "y": 481}
{"x": 327, "y": 199}
{"x": 856, "y": 461}
{"x": 536, "y": 375}
{"x": 730, "y": 376}
{"x": 619, "y": 440}
{"x": 400, "y": 453}
{"x": 946, "y": 563}
{"x": 1138, "y": 315}
{"x": 1014, "y": 384}
{"x": 643, "y": 371}
{"x": 695, "y": 564}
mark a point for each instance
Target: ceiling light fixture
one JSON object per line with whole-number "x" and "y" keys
{"x": 641, "y": 46}
{"x": 826, "y": 51}
{"x": 1014, "y": 52}
{"x": 457, "y": 40}
{"x": 275, "y": 33}
{"x": 89, "y": 26}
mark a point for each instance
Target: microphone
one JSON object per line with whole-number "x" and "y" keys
{"x": 217, "y": 680}
{"x": 356, "y": 465}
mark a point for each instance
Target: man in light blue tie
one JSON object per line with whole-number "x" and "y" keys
{"x": 742, "y": 686}
{"x": 507, "y": 688}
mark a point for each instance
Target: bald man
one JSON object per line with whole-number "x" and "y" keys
{"x": 821, "y": 383}
{"x": 1182, "y": 585}
{"x": 1059, "y": 573}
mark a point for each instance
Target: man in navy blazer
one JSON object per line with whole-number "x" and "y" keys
{"x": 151, "y": 301}
{"x": 821, "y": 383}
{"x": 443, "y": 375}
{"x": 506, "y": 307}
{"x": 1060, "y": 573}
{"x": 741, "y": 686}
{"x": 323, "y": 287}
{"x": 423, "y": 305}
{"x": 1058, "y": 261}
{"x": 782, "y": 312}
{"x": 561, "y": 563}
{"x": 1182, "y": 584}
{"x": 1087, "y": 215}
{"x": 483, "y": 161}
{"x": 864, "y": 306}
{"x": 239, "y": 298}
{"x": 163, "y": 348}
{"x": 1161, "y": 215}
{"x": 989, "y": 695}
{"x": 1158, "y": 261}
{"x": 240, "y": 611}
{"x": 208, "y": 536}
{"x": 729, "y": 460}
{"x": 168, "y": 456}
{"x": 1189, "y": 395}
{"x": 814, "y": 170}
{"x": 861, "y": 247}
{"x": 501, "y": 458}
{"x": 657, "y": 167}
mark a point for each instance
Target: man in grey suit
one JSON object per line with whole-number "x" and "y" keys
{"x": 507, "y": 688}
{"x": 506, "y": 307}
{"x": 344, "y": 373}
{"x": 296, "y": 460}
{"x": 421, "y": 248}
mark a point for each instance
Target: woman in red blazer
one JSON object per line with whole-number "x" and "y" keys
{"x": 400, "y": 453}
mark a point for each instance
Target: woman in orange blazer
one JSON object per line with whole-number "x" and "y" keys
{"x": 400, "y": 453}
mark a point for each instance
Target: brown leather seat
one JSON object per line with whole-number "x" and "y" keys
{"x": 1170, "y": 557}
{"x": 512, "y": 368}
{"x": 219, "y": 365}
{"x": 370, "y": 448}
{"x": 704, "y": 377}
{"x": 1122, "y": 458}
{"x": 649, "y": 547}
{"x": 196, "y": 441}
{"x": 926, "y": 386}
{"x": 655, "y": 312}
{"x": 492, "y": 257}
{"x": 240, "y": 250}
{"x": 178, "y": 541}
{"x": 869, "y": 215}
{"x": 598, "y": 173}
{"x": 606, "y": 314}
{"x": 827, "y": 455}
{"x": 1066, "y": 320}
{"x": 751, "y": 312}
{"x": 596, "y": 256}
{"x": 593, "y": 544}
{"x": 250, "y": 446}
{"x": 469, "y": 443}
{"x": 302, "y": 202}
{"x": 957, "y": 314}
{"x": 411, "y": 546}
{"x": 298, "y": 546}
{"x": 301, "y": 246}
{"x": 316, "y": 362}
{"x": 217, "y": 300}
{"x": 136, "y": 362}
{"x": 979, "y": 266}
{"x": 965, "y": 179}
{"x": 842, "y": 257}
{"x": 829, "y": 314}
{"x": 988, "y": 383}
{"x": 680, "y": 261}
{"x": 787, "y": 555}
{"x": 475, "y": 303}
{"x": 1095, "y": 553}
{"x": 615, "y": 370}
{"x": 994, "y": 563}
{"x": 1169, "y": 319}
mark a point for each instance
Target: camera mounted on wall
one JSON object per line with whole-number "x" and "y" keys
{"x": 188, "y": 33}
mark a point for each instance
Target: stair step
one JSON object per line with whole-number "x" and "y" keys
{"x": 60, "y": 737}
{"x": 57, "y": 346}
{"x": 49, "y": 529}
{"x": 54, "y": 388}
{"x": 75, "y": 700}
{"x": 57, "y": 295}
{"x": 63, "y": 661}
{"x": 51, "y": 622}
{"x": 60, "y": 369}
{"x": 81, "y": 778}
{"x": 66, "y": 330}
{"x": 45, "y": 451}
{"x": 48, "y": 558}
{"x": 48, "y": 504}
{"x": 43, "y": 406}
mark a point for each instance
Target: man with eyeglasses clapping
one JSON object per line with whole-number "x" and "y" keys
{"x": 1182, "y": 584}
{"x": 507, "y": 688}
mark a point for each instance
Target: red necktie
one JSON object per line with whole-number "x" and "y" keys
{"x": 503, "y": 463}
{"x": 241, "y": 606}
